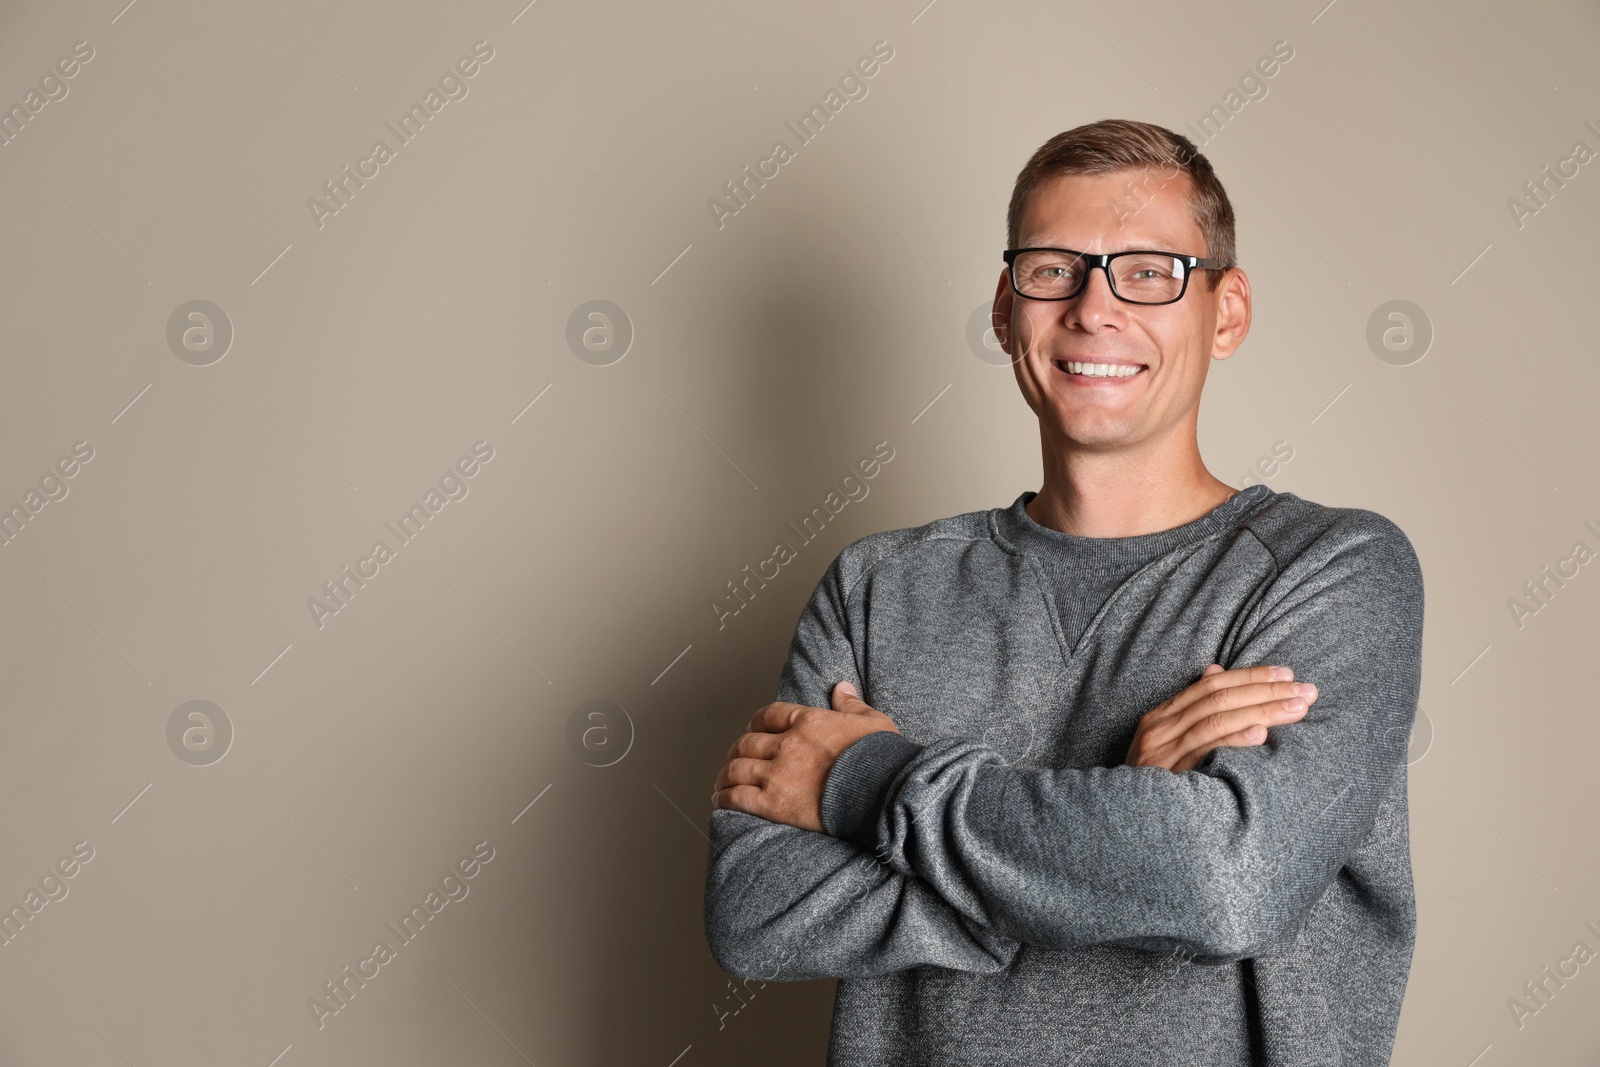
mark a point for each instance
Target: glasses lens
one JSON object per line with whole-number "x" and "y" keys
{"x": 1146, "y": 278}
{"x": 1047, "y": 275}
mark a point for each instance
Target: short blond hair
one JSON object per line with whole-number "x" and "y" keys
{"x": 1111, "y": 145}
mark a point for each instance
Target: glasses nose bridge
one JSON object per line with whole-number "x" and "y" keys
{"x": 1093, "y": 261}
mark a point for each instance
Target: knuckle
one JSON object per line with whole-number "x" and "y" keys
{"x": 1148, "y": 739}
{"x": 1235, "y": 738}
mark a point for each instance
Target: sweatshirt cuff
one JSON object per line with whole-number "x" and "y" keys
{"x": 857, "y": 788}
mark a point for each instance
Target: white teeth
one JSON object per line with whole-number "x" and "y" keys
{"x": 1103, "y": 370}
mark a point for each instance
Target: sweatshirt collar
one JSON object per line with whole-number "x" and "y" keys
{"x": 1016, "y": 528}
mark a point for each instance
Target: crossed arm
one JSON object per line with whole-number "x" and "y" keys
{"x": 955, "y": 858}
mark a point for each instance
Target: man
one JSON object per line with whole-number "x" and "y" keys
{"x": 1038, "y": 787}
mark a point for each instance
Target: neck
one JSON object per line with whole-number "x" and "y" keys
{"x": 1124, "y": 490}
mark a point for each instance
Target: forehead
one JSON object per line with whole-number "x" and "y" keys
{"x": 1122, "y": 209}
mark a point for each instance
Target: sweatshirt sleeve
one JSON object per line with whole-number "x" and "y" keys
{"x": 786, "y": 904}
{"x": 1224, "y": 861}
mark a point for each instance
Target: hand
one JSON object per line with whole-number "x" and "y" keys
{"x": 1230, "y": 708}
{"x": 777, "y": 770}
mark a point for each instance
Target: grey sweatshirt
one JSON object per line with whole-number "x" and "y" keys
{"x": 994, "y": 886}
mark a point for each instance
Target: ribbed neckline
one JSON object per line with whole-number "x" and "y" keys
{"x": 1017, "y": 528}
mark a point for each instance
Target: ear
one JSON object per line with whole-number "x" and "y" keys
{"x": 1233, "y": 313}
{"x": 1000, "y": 314}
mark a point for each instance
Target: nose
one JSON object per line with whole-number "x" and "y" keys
{"x": 1096, "y": 307}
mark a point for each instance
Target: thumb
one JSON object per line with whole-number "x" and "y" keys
{"x": 844, "y": 693}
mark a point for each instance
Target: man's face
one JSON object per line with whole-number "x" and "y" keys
{"x": 1171, "y": 343}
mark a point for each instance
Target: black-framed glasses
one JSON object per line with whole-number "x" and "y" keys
{"x": 1136, "y": 276}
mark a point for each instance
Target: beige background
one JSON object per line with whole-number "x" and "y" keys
{"x": 369, "y": 354}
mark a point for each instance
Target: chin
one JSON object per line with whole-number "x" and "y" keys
{"x": 1091, "y": 432}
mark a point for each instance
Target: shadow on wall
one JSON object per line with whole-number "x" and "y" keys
{"x": 799, "y": 355}
{"x": 810, "y": 352}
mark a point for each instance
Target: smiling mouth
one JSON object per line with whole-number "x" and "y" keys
{"x": 1082, "y": 371}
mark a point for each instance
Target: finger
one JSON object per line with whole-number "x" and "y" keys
{"x": 756, "y": 746}
{"x": 1181, "y": 699}
{"x": 774, "y": 718}
{"x": 1206, "y": 727}
{"x": 1247, "y": 738}
{"x": 1214, "y": 681}
{"x": 743, "y": 772}
{"x": 1236, "y": 696}
{"x": 1224, "y": 712}
{"x": 848, "y": 700}
{"x": 738, "y": 798}
{"x": 1207, "y": 732}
